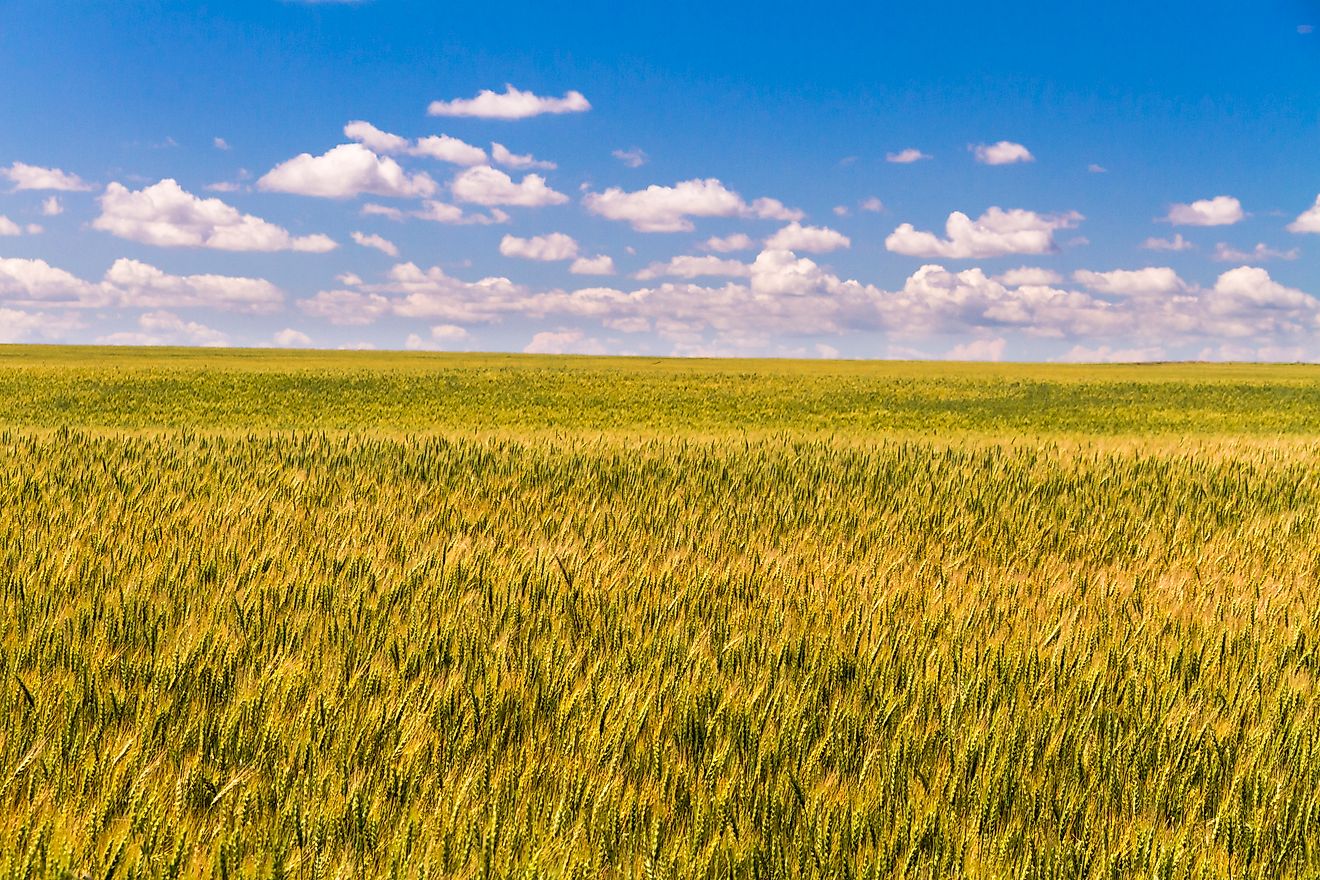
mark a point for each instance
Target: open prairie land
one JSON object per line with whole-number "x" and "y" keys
{"x": 362, "y": 615}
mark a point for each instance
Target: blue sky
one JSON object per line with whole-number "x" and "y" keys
{"x": 1132, "y": 181}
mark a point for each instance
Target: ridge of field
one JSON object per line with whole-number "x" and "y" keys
{"x": 235, "y": 646}
{"x": 403, "y": 393}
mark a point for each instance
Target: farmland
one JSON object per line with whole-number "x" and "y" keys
{"x": 356, "y": 614}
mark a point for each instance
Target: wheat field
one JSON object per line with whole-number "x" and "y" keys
{"x": 333, "y": 615}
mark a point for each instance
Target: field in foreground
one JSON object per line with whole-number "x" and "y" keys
{"x": 322, "y": 615}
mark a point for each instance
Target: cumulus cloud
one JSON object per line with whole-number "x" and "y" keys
{"x": 668, "y": 208}
{"x": 139, "y": 285}
{"x": 51, "y": 207}
{"x": 906, "y": 156}
{"x": 29, "y": 177}
{"x": 783, "y": 294}
{"x": 1226, "y": 253}
{"x": 1219, "y": 211}
{"x": 994, "y": 233}
{"x": 344, "y": 172}
{"x": 872, "y": 205}
{"x": 1177, "y": 243}
{"x": 634, "y": 157}
{"x": 547, "y": 248}
{"x": 167, "y": 215}
{"x": 384, "y": 245}
{"x": 167, "y": 328}
{"x": 812, "y": 239}
{"x": 1131, "y": 282}
{"x": 483, "y": 185}
{"x": 133, "y": 284}
{"x": 1309, "y": 220}
{"x": 1104, "y": 354}
{"x": 503, "y": 156}
{"x": 1029, "y": 275}
{"x": 17, "y": 325}
{"x": 694, "y": 267}
{"x": 449, "y": 149}
{"x": 511, "y": 104}
{"x": 978, "y": 350}
{"x": 1002, "y": 153}
{"x": 442, "y": 212}
{"x": 601, "y": 264}
{"x": 9, "y": 227}
{"x": 291, "y": 338}
{"x": 563, "y": 342}
{"x": 442, "y": 147}
{"x": 441, "y": 337}
{"x": 374, "y": 139}
{"x": 728, "y": 244}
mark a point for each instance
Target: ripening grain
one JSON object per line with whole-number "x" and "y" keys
{"x": 253, "y": 652}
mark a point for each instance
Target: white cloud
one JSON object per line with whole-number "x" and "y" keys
{"x": 729, "y": 243}
{"x": 9, "y": 227}
{"x": 133, "y": 284}
{"x": 442, "y": 336}
{"x": 34, "y": 229}
{"x": 384, "y": 245}
{"x": 601, "y": 264}
{"x": 1029, "y": 276}
{"x": 441, "y": 212}
{"x": 1081, "y": 354}
{"x": 25, "y": 176}
{"x": 442, "y": 147}
{"x": 374, "y": 139}
{"x": 1309, "y": 220}
{"x": 1177, "y": 243}
{"x": 220, "y": 143}
{"x": 139, "y": 285}
{"x": 51, "y": 207}
{"x": 978, "y": 350}
{"x": 1002, "y": 153}
{"x": 511, "y": 104}
{"x": 1131, "y": 282}
{"x": 503, "y": 156}
{"x": 547, "y": 248}
{"x": 291, "y": 338}
{"x": 167, "y": 328}
{"x": 1219, "y": 211}
{"x": 634, "y": 157}
{"x": 345, "y": 171}
{"x": 167, "y": 215}
{"x": 872, "y": 205}
{"x": 23, "y": 326}
{"x": 371, "y": 209}
{"x": 694, "y": 267}
{"x": 36, "y": 282}
{"x": 812, "y": 239}
{"x": 906, "y": 157}
{"x": 449, "y": 149}
{"x": 841, "y": 210}
{"x": 668, "y": 208}
{"x": 349, "y": 307}
{"x": 1097, "y": 169}
{"x": 563, "y": 342}
{"x": 1226, "y": 253}
{"x": 994, "y": 233}
{"x": 483, "y": 185}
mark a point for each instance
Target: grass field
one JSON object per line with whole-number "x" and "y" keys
{"x": 366, "y": 615}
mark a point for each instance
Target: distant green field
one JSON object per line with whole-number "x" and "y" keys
{"x": 406, "y": 393}
{"x": 324, "y": 615}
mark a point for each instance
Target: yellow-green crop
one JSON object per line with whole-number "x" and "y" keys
{"x": 331, "y": 616}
